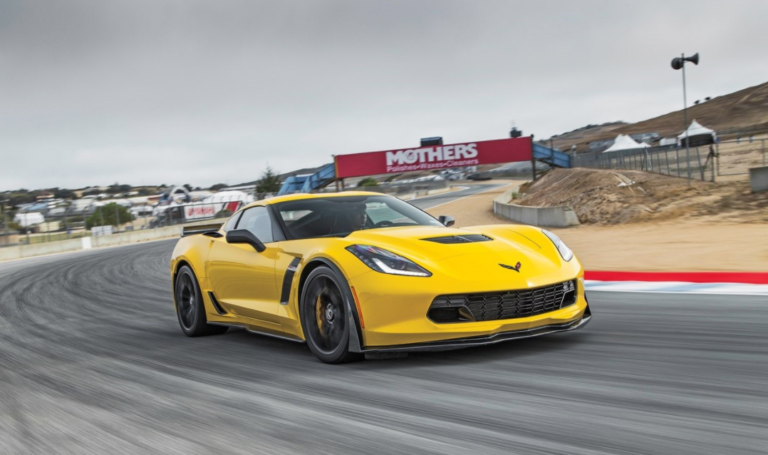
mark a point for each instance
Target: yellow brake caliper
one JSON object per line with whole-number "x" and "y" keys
{"x": 319, "y": 314}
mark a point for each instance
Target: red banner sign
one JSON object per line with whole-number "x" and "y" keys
{"x": 434, "y": 157}
{"x": 202, "y": 211}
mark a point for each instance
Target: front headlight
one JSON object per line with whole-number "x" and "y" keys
{"x": 565, "y": 252}
{"x": 384, "y": 261}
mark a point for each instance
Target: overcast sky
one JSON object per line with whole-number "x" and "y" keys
{"x": 160, "y": 91}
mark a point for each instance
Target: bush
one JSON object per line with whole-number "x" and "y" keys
{"x": 108, "y": 211}
{"x": 368, "y": 181}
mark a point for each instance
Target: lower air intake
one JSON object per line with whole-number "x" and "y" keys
{"x": 491, "y": 306}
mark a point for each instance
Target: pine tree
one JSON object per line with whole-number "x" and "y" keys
{"x": 269, "y": 182}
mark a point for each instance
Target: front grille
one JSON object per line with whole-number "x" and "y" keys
{"x": 491, "y": 306}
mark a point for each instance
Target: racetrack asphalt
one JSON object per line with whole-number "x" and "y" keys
{"x": 92, "y": 361}
{"x": 444, "y": 198}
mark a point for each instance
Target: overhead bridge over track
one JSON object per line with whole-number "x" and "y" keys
{"x": 426, "y": 158}
{"x": 550, "y": 156}
{"x": 309, "y": 182}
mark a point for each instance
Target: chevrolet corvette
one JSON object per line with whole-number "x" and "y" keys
{"x": 358, "y": 273}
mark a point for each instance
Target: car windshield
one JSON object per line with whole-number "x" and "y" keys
{"x": 339, "y": 216}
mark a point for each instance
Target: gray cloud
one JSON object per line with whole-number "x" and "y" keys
{"x": 202, "y": 92}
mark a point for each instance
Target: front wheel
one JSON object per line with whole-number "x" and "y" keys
{"x": 189, "y": 306}
{"x": 325, "y": 316}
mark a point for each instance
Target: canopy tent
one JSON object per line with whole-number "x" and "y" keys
{"x": 623, "y": 142}
{"x": 697, "y": 135}
{"x": 230, "y": 196}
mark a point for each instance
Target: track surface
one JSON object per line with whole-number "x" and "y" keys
{"x": 444, "y": 198}
{"x": 92, "y": 361}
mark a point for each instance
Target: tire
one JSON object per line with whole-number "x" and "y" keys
{"x": 190, "y": 309}
{"x": 325, "y": 318}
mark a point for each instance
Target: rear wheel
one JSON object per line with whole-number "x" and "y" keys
{"x": 325, "y": 316}
{"x": 190, "y": 308}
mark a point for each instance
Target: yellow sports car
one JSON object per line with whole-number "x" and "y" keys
{"x": 363, "y": 273}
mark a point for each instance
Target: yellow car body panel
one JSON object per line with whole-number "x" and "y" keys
{"x": 393, "y": 308}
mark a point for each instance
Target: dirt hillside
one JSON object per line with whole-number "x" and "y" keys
{"x": 616, "y": 196}
{"x": 690, "y": 244}
{"x": 743, "y": 110}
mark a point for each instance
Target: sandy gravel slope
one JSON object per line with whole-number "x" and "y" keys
{"x": 682, "y": 245}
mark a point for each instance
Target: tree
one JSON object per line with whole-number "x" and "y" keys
{"x": 63, "y": 193}
{"x": 188, "y": 186}
{"x": 145, "y": 192}
{"x": 108, "y": 212}
{"x": 118, "y": 188}
{"x": 368, "y": 181}
{"x": 218, "y": 186}
{"x": 269, "y": 182}
{"x": 22, "y": 197}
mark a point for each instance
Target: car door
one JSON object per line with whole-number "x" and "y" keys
{"x": 242, "y": 279}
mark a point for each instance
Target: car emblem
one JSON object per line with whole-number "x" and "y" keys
{"x": 516, "y": 268}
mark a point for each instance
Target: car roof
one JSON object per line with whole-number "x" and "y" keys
{"x": 303, "y": 196}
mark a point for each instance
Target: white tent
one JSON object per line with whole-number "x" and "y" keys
{"x": 230, "y": 196}
{"x": 28, "y": 219}
{"x": 696, "y": 130}
{"x": 623, "y": 142}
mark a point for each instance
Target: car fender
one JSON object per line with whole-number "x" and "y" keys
{"x": 355, "y": 336}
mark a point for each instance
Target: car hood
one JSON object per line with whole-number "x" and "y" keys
{"x": 473, "y": 260}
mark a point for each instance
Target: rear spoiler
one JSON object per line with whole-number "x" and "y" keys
{"x": 205, "y": 229}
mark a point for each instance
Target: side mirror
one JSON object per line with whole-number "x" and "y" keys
{"x": 447, "y": 220}
{"x": 245, "y": 236}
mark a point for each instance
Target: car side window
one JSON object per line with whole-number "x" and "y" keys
{"x": 232, "y": 222}
{"x": 256, "y": 220}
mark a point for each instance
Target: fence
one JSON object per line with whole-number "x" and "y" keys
{"x": 698, "y": 162}
{"x": 736, "y": 157}
{"x": 722, "y": 159}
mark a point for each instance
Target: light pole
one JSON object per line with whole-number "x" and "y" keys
{"x": 679, "y": 63}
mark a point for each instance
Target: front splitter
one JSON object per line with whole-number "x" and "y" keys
{"x": 462, "y": 343}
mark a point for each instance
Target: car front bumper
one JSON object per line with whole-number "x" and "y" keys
{"x": 461, "y": 343}
{"x": 394, "y": 315}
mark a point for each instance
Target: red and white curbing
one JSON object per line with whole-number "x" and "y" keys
{"x": 723, "y": 283}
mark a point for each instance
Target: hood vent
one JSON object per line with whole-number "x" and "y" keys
{"x": 469, "y": 238}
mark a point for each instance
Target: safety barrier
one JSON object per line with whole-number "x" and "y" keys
{"x": 758, "y": 178}
{"x": 65, "y": 246}
{"x": 562, "y": 216}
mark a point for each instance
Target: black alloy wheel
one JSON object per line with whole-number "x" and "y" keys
{"x": 189, "y": 306}
{"x": 325, "y": 316}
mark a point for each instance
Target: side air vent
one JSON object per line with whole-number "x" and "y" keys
{"x": 469, "y": 238}
{"x": 216, "y": 304}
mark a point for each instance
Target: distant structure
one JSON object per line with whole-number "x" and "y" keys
{"x": 600, "y": 146}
